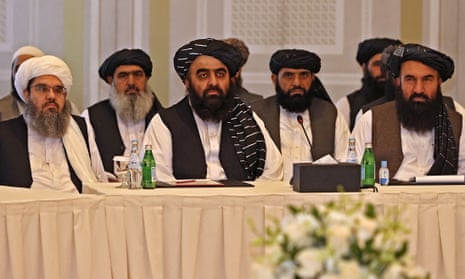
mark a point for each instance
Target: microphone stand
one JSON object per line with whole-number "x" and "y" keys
{"x": 301, "y": 122}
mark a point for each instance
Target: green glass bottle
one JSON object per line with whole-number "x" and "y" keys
{"x": 148, "y": 169}
{"x": 368, "y": 167}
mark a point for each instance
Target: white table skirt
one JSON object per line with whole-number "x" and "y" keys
{"x": 52, "y": 235}
{"x": 205, "y": 233}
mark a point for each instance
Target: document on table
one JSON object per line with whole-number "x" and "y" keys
{"x": 201, "y": 183}
{"x": 440, "y": 179}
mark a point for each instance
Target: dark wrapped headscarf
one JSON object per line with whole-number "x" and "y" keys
{"x": 300, "y": 59}
{"x": 227, "y": 54}
{"x": 295, "y": 59}
{"x": 125, "y": 57}
{"x": 430, "y": 57}
{"x": 370, "y": 47}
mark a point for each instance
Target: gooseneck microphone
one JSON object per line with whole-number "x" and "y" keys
{"x": 301, "y": 122}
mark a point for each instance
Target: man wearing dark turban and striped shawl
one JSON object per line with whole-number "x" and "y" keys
{"x": 125, "y": 115}
{"x": 211, "y": 133}
{"x": 418, "y": 133}
{"x": 301, "y": 118}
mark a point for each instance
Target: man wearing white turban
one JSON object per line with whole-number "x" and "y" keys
{"x": 11, "y": 106}
{"x": 46, "y": 147}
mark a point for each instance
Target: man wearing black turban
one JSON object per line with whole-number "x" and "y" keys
{"x": 211, "y": 133}
{"x": 125, "y": 115}
{"x": 418, "y": 133}
{"x": 301, "y": 118}
{"x": 373, "y": 82}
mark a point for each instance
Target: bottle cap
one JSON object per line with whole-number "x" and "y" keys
{"x": 384, "y": 164}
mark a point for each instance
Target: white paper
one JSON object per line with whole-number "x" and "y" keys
{"x": 325, "y": 160}
{"x": 440, "y": 179}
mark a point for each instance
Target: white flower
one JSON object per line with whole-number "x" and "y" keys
{"x": 365, "y": 230}
{"x": 309, "y": 262}
{"x": 338, "y": 218}
{"x": 286, "y": 270}
{"x": 298, "y": 230}
{"x": 274, "y": 252}
{"x": 394, "y": 271}
{"x": 330, "y": 242}
{"x": 349, "y": 270}
{"x": 338, "y": 238}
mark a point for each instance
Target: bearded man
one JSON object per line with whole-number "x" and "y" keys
{"x": 211, "y": 133}
{"x": 369, "y": 55}
{"x": 301, "y": 118}
{"x": 46, "y": 147}
{"x": 131, "y": 105}
{"x": 418, "y": 133}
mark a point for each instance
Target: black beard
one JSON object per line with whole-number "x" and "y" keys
{"x": 374, "y": 86}
{"x": 418, "y": 116}
{"x": 212, "y": 108}
{"x": 51, "y": 123}
{"x": 295, "y": 103}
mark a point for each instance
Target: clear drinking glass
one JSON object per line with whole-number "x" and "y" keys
{"x": 120, "y": 168}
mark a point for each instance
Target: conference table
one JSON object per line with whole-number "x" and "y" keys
{"x": 53, "y": 235}
{"x": 206, "y": 232}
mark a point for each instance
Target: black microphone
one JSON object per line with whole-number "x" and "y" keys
{"x": 301, "y": 122}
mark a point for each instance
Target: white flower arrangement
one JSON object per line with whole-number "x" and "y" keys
{"x": 341, "y": 239}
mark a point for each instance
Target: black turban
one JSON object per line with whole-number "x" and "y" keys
{"x": 371, "y": 47}
{"x": 430, "y": 57}
{"x": 220, "y": 50}
{"x": 295, "y": 59}
{"x": 125, "y": 57}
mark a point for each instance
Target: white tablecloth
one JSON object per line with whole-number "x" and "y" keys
{"x": 52, "y": 235}
{"x": 205, "y": 232}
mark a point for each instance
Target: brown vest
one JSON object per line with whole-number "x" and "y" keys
{"x": 386, "y": 134}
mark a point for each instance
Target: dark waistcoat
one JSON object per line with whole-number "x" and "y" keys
{"x": 357, "y": 100}
{"x": 107, "y": 136}
{"x": 15, "y": 167}
{"x": 188, "y": 153}
{"x": 323, "y": 121}
{"x": 386, "y": 138}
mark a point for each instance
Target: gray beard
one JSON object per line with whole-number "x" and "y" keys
{"x": 48, "y": 124}
{"x": 131, "y": 108}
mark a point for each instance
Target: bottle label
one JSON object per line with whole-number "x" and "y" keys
{"x": 368, "y": 175}
{"x": 384, "y": 176}
{"x": 154, "y": 177}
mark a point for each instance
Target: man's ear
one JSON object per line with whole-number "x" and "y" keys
{"x": 274, "y": 78}
{"x": 109, "y": 79}
{"x": 397, "y": 81}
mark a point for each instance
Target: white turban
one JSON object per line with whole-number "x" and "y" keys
{"x": 40, "y": 66}
{"x": 27, "y": 50}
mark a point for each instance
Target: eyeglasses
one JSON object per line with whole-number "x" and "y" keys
{"x": 44, "y": 89}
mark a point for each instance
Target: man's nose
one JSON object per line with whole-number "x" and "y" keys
{"x": 419, "y": 86}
